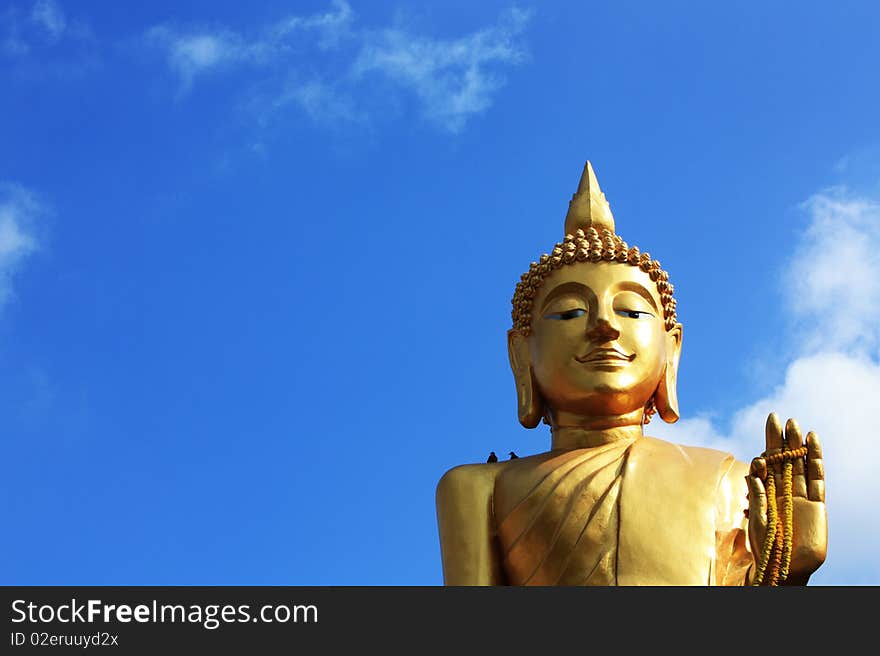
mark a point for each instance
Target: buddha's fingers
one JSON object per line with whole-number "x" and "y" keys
{"x": 773, "y": 432}
{"x": 794, "y": 440}
{"x": 815, "y": 469}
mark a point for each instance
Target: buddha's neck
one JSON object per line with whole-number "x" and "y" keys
{"x": 576, "y": 432}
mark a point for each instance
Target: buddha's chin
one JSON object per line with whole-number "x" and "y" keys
{"x": 610, "y": 381}
{"x": 601, "y": 404}
{"x": 605, "y": 394}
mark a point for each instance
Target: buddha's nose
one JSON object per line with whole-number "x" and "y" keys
{"x": 602, "y": 331}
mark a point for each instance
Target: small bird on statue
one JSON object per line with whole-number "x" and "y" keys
{"x": 513, "y": 456}
{"x": 492, "y": 457}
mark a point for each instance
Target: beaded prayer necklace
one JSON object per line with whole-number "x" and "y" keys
{"x": 776, "y": 553}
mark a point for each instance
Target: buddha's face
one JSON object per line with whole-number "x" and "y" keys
{"x": 598, "y": 345}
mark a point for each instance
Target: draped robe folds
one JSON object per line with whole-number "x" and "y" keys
{"x": 634, "y": 512}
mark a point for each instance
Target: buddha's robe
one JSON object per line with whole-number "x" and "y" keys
{"x": 635, "y": 512}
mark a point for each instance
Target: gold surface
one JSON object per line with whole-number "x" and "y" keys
{"x": 594, "y": 352}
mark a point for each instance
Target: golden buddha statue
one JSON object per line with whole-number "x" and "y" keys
{"x": 594, "y": 350}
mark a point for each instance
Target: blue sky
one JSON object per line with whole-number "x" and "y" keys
{"x": 256, "y": 261}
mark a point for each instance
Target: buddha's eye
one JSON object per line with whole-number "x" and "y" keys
{"x": 634, "y": 314}
{"x": 568, "y": 314}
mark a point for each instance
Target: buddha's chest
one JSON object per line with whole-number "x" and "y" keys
{"x": 637, "y": 516}
{"x": 562, "y": 529}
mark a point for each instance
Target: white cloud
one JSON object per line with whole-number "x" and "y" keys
{"x": 833, "y": 281}
{"x": 331, "y": 28}
{"x": 24, "y": 32}
{"x": 48, "y": 15}
{"x": 195, "y": 52}
{"x": 198, "y": 52}
{"x": 320, "y": 101}
{"x": 453, "y": 79}
{"x": 832, "y": 385}
{"x": 20, "y": 211}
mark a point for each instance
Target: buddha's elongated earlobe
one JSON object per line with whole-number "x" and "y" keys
{"x": 530, "y": 405}
{"x": 666, "y": 396}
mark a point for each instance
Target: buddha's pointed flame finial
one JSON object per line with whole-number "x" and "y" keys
{"x": 588, "y": 207}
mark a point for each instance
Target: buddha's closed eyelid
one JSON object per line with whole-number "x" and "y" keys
{"x": 565, "y": 304}
{"x": 567, "y": 296}
{"x": 566, "y": 315}
{"x": 634, "y": 296}
{"x": 634, "y": 314}
{"x": 633, "y": 305}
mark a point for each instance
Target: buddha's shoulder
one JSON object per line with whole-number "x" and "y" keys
{"x": 468, "y": 479}
{"x": 701, "y": 457}
{"x": 471, "y": 478}
{"x": 470, "y": 485}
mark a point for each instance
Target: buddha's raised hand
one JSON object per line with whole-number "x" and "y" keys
{"x": 809, "y": 516}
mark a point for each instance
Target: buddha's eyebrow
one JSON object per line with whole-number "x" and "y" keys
{"x": 630, "y": 286}
{"x": 574, "y": 288}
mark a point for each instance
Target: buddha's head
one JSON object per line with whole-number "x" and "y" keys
{"x": 595, "y": 339}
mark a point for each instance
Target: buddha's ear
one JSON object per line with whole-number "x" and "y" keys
{"x": 530, "y": 405}
{"x": 666, "y": 396}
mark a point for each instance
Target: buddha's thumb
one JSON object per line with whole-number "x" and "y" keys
{"x": 757, "y": 500}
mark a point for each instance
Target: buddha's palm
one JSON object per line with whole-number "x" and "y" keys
{"x": 809, "y": 517}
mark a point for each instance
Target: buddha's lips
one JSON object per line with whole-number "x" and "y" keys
{"x": 605, "y": 355}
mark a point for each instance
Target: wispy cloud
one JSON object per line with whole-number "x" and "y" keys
{"x": 199, "y": 52}
{"x": 833, "y": 282}
{"x": 26, "y": 31}
{"x": 192, "y": 52}
{"x": 20, "y": 213}
{"x": 451, "y": 79}
{"x": 330, "y": 28}
{"x": 832, "y": 384}
{"x": 320, "y": 101}
{"x": 48, "y": 15}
